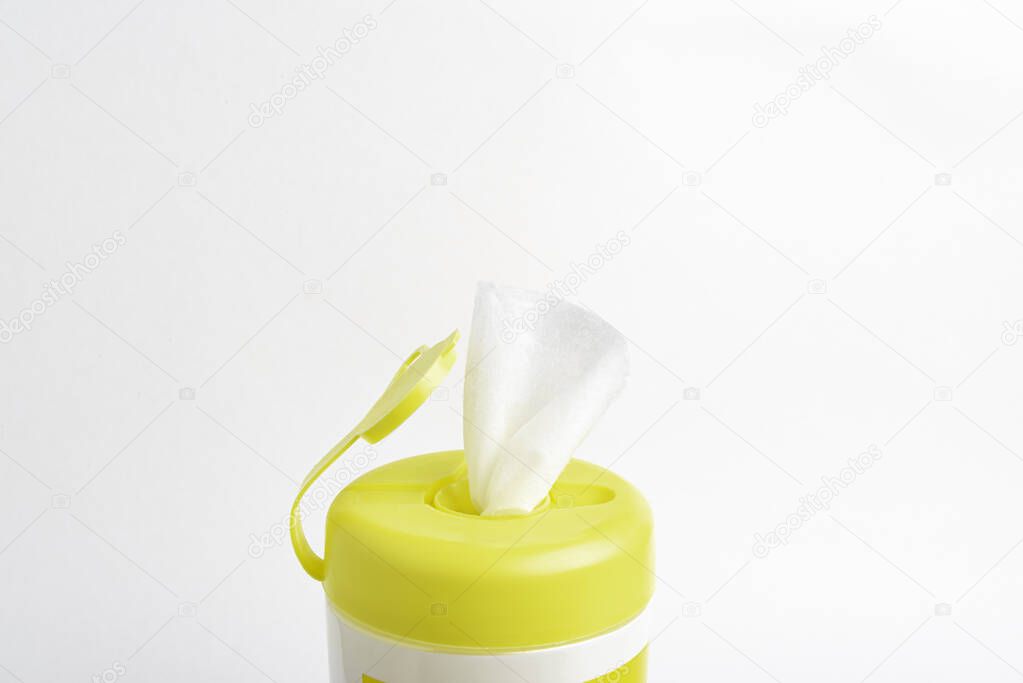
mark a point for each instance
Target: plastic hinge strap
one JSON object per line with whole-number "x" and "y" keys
{"x": 311, "y": 562}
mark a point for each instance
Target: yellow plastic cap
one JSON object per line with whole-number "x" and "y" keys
{"x": 408, "y": 557}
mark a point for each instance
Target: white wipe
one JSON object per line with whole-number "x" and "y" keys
{"x": 538, "y": 377}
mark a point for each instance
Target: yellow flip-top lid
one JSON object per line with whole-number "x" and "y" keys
{"x": 407, "y": 556}
{"x": 412, "y": 384}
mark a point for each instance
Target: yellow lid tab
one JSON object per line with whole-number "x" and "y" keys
{"x": 418, "y": 376}
{"x": 421, "y": 373}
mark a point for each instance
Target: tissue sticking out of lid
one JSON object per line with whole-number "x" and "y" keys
{"x": 540, "y": 372}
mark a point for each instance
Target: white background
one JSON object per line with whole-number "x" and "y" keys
{"x": 817, "y": 283}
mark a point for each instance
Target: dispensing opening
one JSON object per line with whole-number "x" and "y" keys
{"x": 454, "y": 498}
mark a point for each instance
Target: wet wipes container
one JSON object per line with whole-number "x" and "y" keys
{"x": 422, "y": 588}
